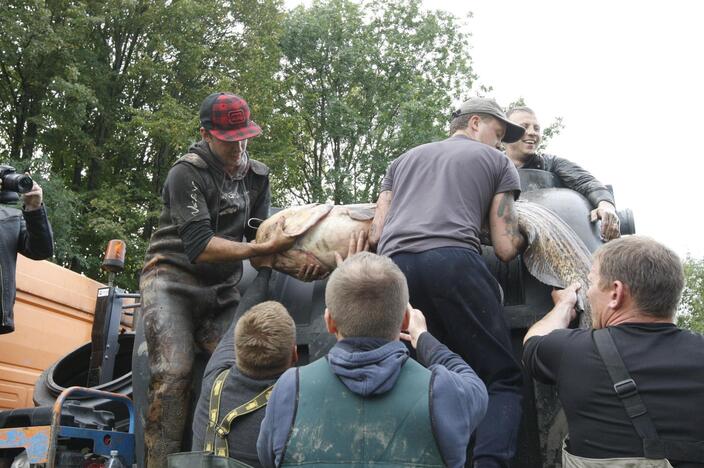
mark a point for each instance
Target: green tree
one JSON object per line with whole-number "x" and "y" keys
{"x": 363, "y": 83}
{"x": 691, "y": 312}
{"x": 32, "y": 53}
{"x": 99, "y": 98}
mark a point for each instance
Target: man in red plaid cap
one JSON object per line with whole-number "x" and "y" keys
{"x": 194, "y": 261}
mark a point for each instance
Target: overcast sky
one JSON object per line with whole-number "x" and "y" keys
{"x": 626, "y": 76}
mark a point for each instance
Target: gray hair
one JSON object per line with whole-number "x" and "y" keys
{"x": 462, "y": 121}
{"x": 653, "y": 273}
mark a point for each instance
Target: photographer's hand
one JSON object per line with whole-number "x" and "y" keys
{"x": 33, "y": 199}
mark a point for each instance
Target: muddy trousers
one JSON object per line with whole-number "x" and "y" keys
{"x": 462, "y": 304}
{"x": 181, "y": 317}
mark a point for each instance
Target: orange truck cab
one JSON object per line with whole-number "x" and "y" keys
{"x": 53, "y": 315}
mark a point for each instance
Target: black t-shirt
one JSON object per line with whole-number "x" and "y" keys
{"x": 666, "y": 363}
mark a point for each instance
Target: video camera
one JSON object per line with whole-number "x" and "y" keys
{"x": 13, "y": 184}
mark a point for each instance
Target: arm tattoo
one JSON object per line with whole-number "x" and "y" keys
{"x": 507, "y": 212}
{"x": 504, "y": 203}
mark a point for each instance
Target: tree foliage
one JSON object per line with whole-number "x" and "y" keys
{"x": 99, "y": 97}
{"x": 364, "y": 82}
{"x": 691, "y": 313}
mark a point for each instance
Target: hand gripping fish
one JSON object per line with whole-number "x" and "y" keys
{"x": 555, "y": 255}
{"x": 320, "y": 229}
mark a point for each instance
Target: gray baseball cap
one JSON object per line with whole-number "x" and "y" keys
{"x": 487, "y": 106}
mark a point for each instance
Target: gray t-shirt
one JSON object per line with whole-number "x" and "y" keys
{"x": 441, "y": 194}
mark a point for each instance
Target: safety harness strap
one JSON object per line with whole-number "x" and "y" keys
{"x": 216, "y": 432}
{"x": 627, "y": 391}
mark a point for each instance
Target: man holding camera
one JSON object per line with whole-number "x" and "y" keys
{"x": 26, "y": 231}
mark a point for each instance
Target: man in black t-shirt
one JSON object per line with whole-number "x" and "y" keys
{"x": 635, "y": 287}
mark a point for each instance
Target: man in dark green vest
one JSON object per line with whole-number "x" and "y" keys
{"x": 366, "y": 402}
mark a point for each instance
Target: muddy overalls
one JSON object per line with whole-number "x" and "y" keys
{"x": 186, "y": 306}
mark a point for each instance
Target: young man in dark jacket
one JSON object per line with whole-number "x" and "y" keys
{"x": 524, "y": 154}
{"x": 25, "y": 231}
{"x": 367, "y": 402}
{"x": 255, "y": 351}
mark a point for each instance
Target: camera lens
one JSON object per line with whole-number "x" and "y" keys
{"x": 19, "y": 183}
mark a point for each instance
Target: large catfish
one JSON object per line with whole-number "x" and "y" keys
{"x": 555, "y": 255}
{"x": 321, "y": 230}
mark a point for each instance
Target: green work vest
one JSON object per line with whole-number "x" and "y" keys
{"x": 336, "y": 427}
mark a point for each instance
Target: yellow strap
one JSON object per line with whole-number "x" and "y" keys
{"x": 214, "y": 410}
{"x": 223, "y": 429}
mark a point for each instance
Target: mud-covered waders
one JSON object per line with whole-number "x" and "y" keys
{"x": 656, "y": 451}
{"x": 181, "y": 314}
{"x": 216, "y": 451}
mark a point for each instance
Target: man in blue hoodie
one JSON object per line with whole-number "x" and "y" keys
{"x": 367, "y": 402}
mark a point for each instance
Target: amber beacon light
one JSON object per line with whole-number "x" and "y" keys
{"x": 114, "y": 260}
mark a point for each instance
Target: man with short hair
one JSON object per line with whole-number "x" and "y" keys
{"x": 254, "y": 352}
{"x": 434, "y": 200}
{"x": 655, "y": 407}
{"x": 194, "y": 261}
{"x": 367, "y": 403}
{"x": 524, "y": 154}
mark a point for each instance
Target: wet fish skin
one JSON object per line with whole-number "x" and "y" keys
{"x": 555, "y": 255}
{"x": 321, "y": 230}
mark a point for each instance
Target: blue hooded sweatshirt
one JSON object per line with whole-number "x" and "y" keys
{"x": 371, "y": 366}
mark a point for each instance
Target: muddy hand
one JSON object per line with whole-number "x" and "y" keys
{"x": 567, "y": 297}
{"x": 310, "y": 272}
{"x": 280, "y": 241}
{"x": 262, "y": 261}
{"x": 358, "y": 243}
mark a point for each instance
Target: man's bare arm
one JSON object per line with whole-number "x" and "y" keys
{"x": 560, "y": 316}
{"x": 503, "y": 225}
{"x": 220, "y": 250}
{"x": 382, "y": 209}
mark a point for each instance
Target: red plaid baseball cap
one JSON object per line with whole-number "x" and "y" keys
{"x": 226, "y": 117}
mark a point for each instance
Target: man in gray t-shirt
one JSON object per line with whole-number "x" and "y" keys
{"x": 434, "y": 200}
